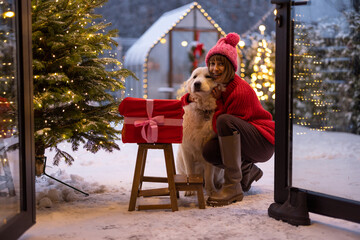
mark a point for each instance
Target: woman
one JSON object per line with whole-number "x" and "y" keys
{"x": 245, "y": 130}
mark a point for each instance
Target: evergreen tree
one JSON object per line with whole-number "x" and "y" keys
{"x": 310, "y": 102}
{"x": 326, "y": 86}
{"x": 72, "y": 87}
{"x": 331, "y": 71}
{"x": 350, "y": 89}
{"x": 8, "y": 103}
{"x": 259, "y": 68}
{"x": 336, "y": 96}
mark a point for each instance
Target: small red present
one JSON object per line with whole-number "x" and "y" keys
{"x": 151, "y": 120}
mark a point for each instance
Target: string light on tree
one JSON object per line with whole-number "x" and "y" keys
{"x": 262, "y": 78}
{"x": 239, "y": 49}
{"x": 310, "y": 104}
{"x": 72, "y": 94}
{"x": 8, "y": 122}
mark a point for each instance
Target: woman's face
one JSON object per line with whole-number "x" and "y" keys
{"x": 217, "y": 70}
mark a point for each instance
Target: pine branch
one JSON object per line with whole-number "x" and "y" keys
{"x": 62, "y": 155}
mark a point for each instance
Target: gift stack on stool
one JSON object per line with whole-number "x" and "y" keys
{"x": 156, "y": 124}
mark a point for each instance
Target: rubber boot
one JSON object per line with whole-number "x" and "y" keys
{"x": 231, "y": 190}
{"x": 250, "y": 173}
{"x": 294, "y": 211}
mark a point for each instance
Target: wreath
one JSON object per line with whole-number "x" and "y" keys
{"x": 196, "y": 54}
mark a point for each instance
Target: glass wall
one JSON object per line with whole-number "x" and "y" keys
{"x": 189, "y": 53}
{"x": 326, "y": 98}
{"x": 158, "y": 70}
{"x": 9, "y": 135}
{"x": 171, "y": 61}
{"x": 183, "y": 42}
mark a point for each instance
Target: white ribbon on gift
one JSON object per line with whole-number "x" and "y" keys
{"x": 151, "y": 135}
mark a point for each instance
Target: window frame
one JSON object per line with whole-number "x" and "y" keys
{"x": 18, "y": 224}
{"x": 319, "y": 203}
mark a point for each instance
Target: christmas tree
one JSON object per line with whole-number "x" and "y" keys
{"x": 73, "y": 98}
{"x": 8, "y": 107}
{"x": 342, "y": 62}
{"x": 351, "y": 89}
{"x": 258, "y": 68}
{"x": 309, "y": 100}
{"x": 326, "y": 73}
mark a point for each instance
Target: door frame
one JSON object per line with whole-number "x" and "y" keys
{"x": 319, "y": 203}
{"x": 18, "y": 224}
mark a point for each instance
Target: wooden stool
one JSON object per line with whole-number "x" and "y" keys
{"x": 175, "y": 182}
{"x": 139, "y": 178}
{"x": 191, "y": 183}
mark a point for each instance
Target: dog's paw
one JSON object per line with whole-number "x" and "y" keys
{"x": 189, "y": 193}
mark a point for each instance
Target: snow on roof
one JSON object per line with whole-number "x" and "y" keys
{"x": 139, "y": 50}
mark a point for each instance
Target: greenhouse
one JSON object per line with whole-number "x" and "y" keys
{"x": 164, "y": 56}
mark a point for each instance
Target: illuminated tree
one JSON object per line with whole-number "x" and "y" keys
{"x": 8, "y": 88}
{"x": 259, "y": 68}
{"x": 347, "y": 63}
{"x": 326, "y": 87}
{"x": 310, "y": 102}
{"x": 72, "y": 87}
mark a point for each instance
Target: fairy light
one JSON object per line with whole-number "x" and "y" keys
{"x": 262, "y": 29}
{"x": 184, "y": 43}
{"x": 9, "y": 14}
{"x": 242, "y": 44}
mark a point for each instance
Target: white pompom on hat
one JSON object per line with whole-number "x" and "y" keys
{"x": 226, "y": 46}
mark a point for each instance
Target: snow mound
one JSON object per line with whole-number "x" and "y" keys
{"x": 50, "y": 191}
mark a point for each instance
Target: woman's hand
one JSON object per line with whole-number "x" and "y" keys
{"x": 191, "y": 98}
{"x": 216, "y": 92}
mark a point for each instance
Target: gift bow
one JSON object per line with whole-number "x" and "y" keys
{"x": 152, "y": 131}
{"x": 152, "y": 122}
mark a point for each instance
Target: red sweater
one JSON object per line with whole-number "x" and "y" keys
{"x": 240, "y": 100}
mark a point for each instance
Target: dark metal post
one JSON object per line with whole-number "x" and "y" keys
{"x": 316, "y": 202}
{"x": 282, "y": 85}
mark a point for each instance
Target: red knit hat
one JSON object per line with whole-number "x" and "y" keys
{"x": 226, "y": 46}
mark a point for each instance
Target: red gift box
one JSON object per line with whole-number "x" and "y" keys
{"x": 151, "y": 120}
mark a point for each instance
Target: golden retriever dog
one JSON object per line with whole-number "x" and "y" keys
{"x": 197, "y": 130}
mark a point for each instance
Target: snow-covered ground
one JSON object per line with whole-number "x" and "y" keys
{"x": 107, "y": 177}
{"x": 327, "y": 162}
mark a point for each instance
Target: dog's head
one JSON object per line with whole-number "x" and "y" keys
{"x": 200, "y": 82}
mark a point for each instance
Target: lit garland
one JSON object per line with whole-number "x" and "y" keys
{"x": 162, "y": 40}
